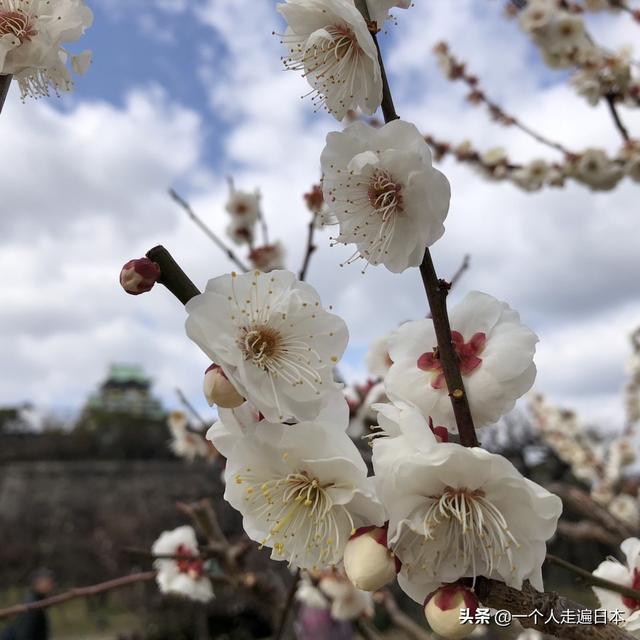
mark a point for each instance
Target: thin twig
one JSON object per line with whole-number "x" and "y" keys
{"x": 5, "y": 83}
{"x": 190, "y": 408}
{"x": 288, "y": 604}
{"x": 466, "y": 263}
{"x": 79, "y": 592}
{"x": 478, "y": 95}
{"x": 611, "y": 103}
{"x": 590, "y": 579}
{"x": 203, "y": 514}
{"x": 436, "y": 293}
{"x": 207, "y": 231}
{"x": 311, "y": 247}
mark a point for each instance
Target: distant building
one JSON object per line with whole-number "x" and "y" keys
{"x": 127, "y": 389}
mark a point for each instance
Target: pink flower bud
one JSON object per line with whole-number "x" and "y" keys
{"x": 218, "y": 390}
{"x": 442, "y": 609}
{"x": 368, "y": 562}
{"x": 139, "y": 276}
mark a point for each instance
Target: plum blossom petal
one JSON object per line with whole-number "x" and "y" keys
{"x": 495, "y": 352}
{"x": 388, "y": 198}
{"x": 272, "y": 339}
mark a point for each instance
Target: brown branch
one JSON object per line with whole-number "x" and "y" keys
{"x": 172, "y": 276}
{"x": 586, "y": 530}
{"x": 613, "y": 110}
{"x": 436, "y": 291}
{"x": 590, "y": 579}
{"x": 204, "y": 516}
{"x": 311, "y": 247}
{"x": 79, "y": 592}
{"x": 5, "y": 83}
{"x": 207, "y": 231}
{"x": 401, "y": 620}
{"x": 582, "y": 502}
{"x": 522, "y": 603}
{"x": 288, "y": 604}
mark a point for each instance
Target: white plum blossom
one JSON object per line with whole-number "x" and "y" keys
{"x": 235, "y": 424}
{"x": 377, "y": 360}
{"x": 595, "y": 169}
{"x": 241, "y": 232}
{"x": 268, "y": 257}
{"x": 329, "y": 42}
{"x": 185, "y": 576}
{"x": 272, "y": 339}
{"x": 459, "y": 512}
{"x": 388, "y": 198}
{"x": 402, "y": 431}
{"x": 243, "y": 206}
{"x": 625, "y": 508}
{"x": 627, "y": 575}
{"x": 495, "y": 352}
{"x": 379, "y": 9}
{"x": 302, "y": 489}
{"x": 347, "y": 602}
{"x": 531, "y": 177}
{"x": 185, "y": 443}
{"x": 530, "y": 634}
{"x": 309, "y": 594}
{"x": 537, "y": 14}
{"x": 587, "y": 85}
{"x": 32, "y": 33}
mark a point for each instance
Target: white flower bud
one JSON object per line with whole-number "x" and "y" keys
{"x": 218, "y": 390}
{"x": 442, "y": 610}
{"x": 368, "y": 563}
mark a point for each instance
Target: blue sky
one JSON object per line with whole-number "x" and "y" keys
{"x": 186, "y": 93}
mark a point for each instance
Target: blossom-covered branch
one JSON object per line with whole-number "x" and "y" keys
{"x": 456, "y": 70}
{"x": 436, "y": 291}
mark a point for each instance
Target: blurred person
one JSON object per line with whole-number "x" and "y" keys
{"x": 34, "y": 624}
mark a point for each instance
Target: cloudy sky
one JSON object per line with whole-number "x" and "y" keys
{"x": 183, "y": 93}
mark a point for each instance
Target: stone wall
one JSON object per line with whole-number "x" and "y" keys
{"x": 77, "y": 517}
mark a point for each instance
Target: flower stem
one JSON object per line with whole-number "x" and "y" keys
{"x": 5, "y": 83}
{"x": 589, "y": 578}
{"x": 436, "y": 290}
{"x": 311, "y": 247}
{"x": 172, "y": 276}
{"x": 209, "y": 233}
